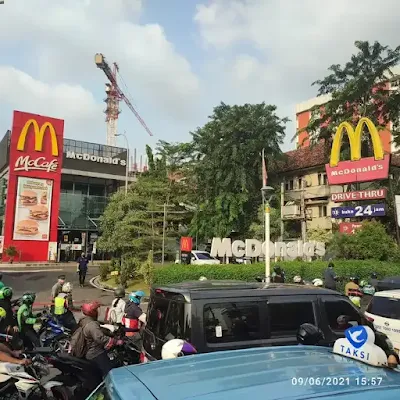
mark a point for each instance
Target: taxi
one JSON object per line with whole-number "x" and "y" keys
{"x": 354, "y": 369}
{"x": 384, "y": 312}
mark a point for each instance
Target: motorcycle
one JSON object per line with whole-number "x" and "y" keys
{"x": 53, "y": 334}
{"x": 18, "y": 382}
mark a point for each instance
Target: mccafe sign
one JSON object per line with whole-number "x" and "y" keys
{"x": 97, "y": 159}
{"x": 28, "y": 163}
{"x": 254, "y": 248}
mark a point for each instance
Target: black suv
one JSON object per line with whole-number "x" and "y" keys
{"x": 226, "y": 315}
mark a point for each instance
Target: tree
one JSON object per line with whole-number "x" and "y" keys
{"x": 228, "y": 168}
{"x": 358, "y": 89}
{"x": 132, "y": 224}
{"x": 257, "y": 228}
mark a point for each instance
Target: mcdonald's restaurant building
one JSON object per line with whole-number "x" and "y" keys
{"x": 53, "y": 190}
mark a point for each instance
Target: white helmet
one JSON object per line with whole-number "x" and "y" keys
{"x": 176, "y": 348}
{"x": 318, "y": 282}
{"x": 297, "y": 279}
{"x": 202, "y": 278}
{"x": 67, "y": 287}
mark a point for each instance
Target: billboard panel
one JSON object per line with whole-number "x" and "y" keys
{"x": 33, "y": 209}
{"x": 370, "y": 194}
{"x": 370, "y": 210}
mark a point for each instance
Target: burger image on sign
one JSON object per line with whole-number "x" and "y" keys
{"x": 27, "y": 227}
{"x": 39, "y": 212}
{"x": 28, "y": 198}
{"x": 43, "y": 199}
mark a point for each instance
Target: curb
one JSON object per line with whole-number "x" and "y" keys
{"x": 95, "y": 283}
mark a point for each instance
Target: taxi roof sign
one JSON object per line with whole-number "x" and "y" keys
{"x": 359, "y": 344}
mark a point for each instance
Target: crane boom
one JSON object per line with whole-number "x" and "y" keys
{"x": 101, "y": 63}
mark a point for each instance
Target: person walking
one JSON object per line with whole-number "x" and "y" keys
{"x": 330, "y": 277}
{"x": 82, "y": 269}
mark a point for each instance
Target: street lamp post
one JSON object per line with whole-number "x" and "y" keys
{"x": 265, "y": 190}
{"x": 127, "y": 161}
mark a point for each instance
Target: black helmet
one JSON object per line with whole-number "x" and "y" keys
{"x": 355, "y": 279}
{"x": 309, "y": 334}
{"x": 278, "y": 270}
{"x": 119, "y": 292}
{"x": 374, "y": 275}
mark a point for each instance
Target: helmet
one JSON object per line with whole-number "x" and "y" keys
{"x": 177, "y": 348}
{"x": 28, "y": 298}
{"x": 297, "y": 279}
{"x": 309, "y": 334}
{"x": 356, "y": 301}
{"x": 363, "y": 283}
{"x": 119, "y": 292}
{"x": 6, "y": 293}
{"x": 2, "y": 313}
{"x": 318, "y": 282}
{"x": 278, "y": 270}
{"x": 342, "y": 320}
{"x": 136, "y": 297}
{"x": 368, "y": 289}
{"x": 67, "y": 287}
{"x": 202, "y": 278}
{"x": 374, "y": 275}
{"x": 91, "y": 309}
{"x": 355, "y": 279}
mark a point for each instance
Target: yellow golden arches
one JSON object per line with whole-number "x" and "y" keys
{"x": 39, "y": 136}
{"x": 355, "y": 141}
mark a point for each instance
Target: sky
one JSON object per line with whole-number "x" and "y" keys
{"x": 178, "y": 58}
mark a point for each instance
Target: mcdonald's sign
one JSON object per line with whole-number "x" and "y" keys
{"x": 357, "y": 169}
{"x": 186, "y": 244}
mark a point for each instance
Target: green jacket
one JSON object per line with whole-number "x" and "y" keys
{"x": 25, "y": 316}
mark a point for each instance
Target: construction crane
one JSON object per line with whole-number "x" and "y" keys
{"x": 114, "y": 96}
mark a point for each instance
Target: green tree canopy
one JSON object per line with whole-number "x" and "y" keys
{"x": 358, "y": 89}
{"x": 228, "y": 168}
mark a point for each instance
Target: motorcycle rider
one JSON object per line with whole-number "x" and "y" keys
{"x": 63, "y": 307}
{"x": 26, "y": 319}
{"x": 117, "y": 309}
{"x": 57, "y": 287}
{"x": 278, "y": 276}
{"x": 352, "y": 286}
{"x": 97, "y": 343}
{"x": 374, "y": 280}
{"x": 134, "y": 317}
{"x": 8, "y": 324}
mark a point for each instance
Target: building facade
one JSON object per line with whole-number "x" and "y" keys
{"x": 90, "y": 173}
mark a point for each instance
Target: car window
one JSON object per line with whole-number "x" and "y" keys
{"x": 101, "y": 393}
{"x": 174, "y": 323}
{"x": 231, "y": 322}
{"x": 336, "y": 308}
{"x": 157, "y": 314}
{"x": 286, "y": 318}
{"x": 385, "y": 307}
{"x": 204, "y": 256}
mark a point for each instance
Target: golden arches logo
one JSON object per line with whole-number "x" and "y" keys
{"x": 355, "y": 141}
{"x": 185, "y": 243}
{"x": 39, "y": 136}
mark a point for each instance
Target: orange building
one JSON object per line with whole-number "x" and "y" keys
{"x": 303, "y": 115}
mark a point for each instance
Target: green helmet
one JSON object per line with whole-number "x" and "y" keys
{"x": 6, "y": 293}
{"x": 363, "y": 283}
{"x": 28, "y": 298}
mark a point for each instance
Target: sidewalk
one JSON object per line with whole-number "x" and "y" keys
{"x": 44, "y": 265}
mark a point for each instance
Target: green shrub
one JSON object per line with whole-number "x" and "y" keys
{"x": 103, "y": 270}
{"x": 176, "y": 273}
{"x": 147, "y": 269}
{"x": 115, "y": 264}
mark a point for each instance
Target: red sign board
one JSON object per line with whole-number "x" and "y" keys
{"x": 33, "y": 192}
{"x": 186, "y": 243}
{"x": 364, "y": 170}
{"x": 348, "y": 228}
{"x": 370, "y": 194}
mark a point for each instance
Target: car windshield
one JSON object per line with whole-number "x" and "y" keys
{"x": 204, "y": 256}
{"x": 385, "y": 307}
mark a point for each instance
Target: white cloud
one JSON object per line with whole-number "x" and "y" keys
{"x": 55, "y": 42}
{"x": 275, "y": 49}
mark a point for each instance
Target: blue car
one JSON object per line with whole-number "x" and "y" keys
{"x": 290, "y": 372}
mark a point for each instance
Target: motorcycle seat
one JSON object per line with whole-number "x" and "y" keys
{"x": 79, "y": 361}
{"x": 42, "y": 350}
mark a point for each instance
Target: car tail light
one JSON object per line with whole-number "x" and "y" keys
{"x": 369, "y": 319}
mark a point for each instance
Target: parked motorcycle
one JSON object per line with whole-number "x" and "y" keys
{"x": 18, "y": 382}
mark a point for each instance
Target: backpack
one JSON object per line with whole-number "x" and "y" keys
{"x": 78, "y": 343}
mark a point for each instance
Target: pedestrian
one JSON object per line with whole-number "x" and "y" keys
{"x": 57, "y": 287}
{"x": 82, "y": 269}
{"x": 330, "y": 277}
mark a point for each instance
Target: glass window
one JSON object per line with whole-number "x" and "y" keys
{"x": 334, "y": 309}
{"x": 231, "y": 322}
{"x": 67, "y": 187}
{"x": 81, "y": 188}
{"x": 174, "y": 328}
{"x": 323, "y": 211}
{"x": 289, "y": 185}
{"x": 387, "y": 307}
{"x": 101, "y": 393}
{"x": 287, "y": 317}
{"x": 157, "y": 315}
{"x": 96, "y": 190}
{"x": 204, "y": 256}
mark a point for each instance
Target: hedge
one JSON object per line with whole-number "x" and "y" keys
{"x": 176, "y": 273}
